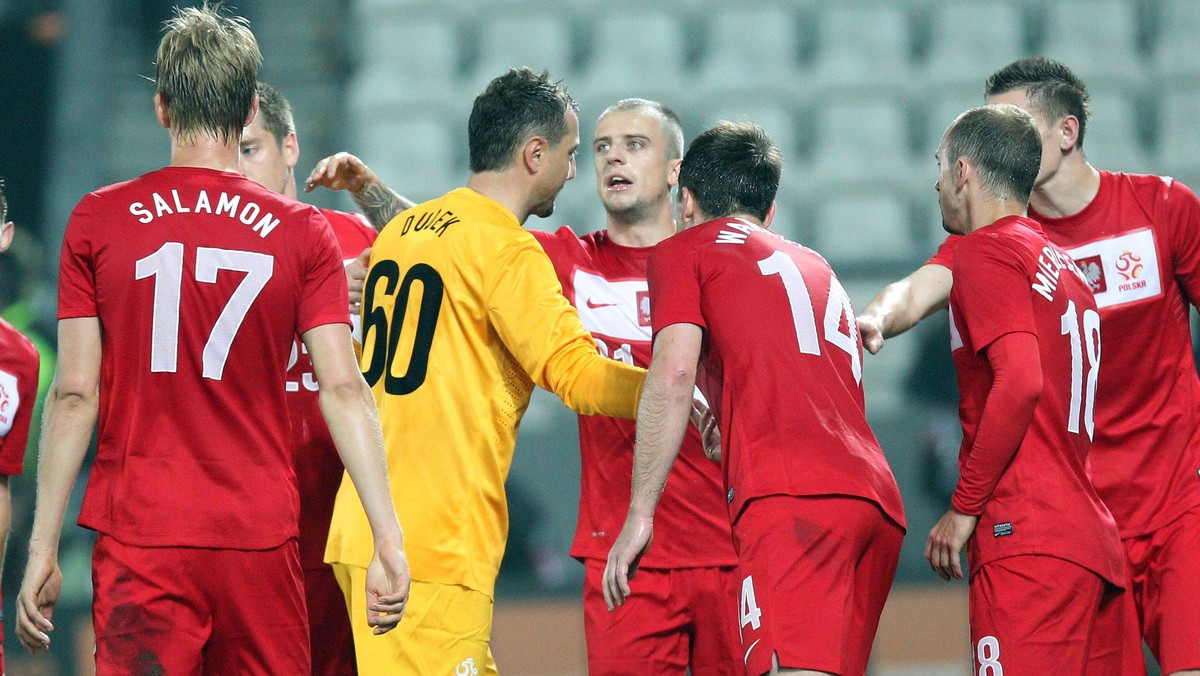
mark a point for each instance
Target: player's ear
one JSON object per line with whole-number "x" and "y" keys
{"x": 160, "y": 111}
{"x": 1068, "y": 128}
{"x": 770, "y": 216}
{"x": 532, "y": 154}
{"x": 673, "y": 172}
{"x": 6, "y": 236}
{"x": 253, "y": 111}
{"x": 962, "y": 169}
{"x": 687, "y": 208}
{"x": 291, "y": 149}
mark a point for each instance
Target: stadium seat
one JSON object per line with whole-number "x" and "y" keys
{"x": 1113, "y": 139}
{"x": 972, "y": 39}
{"x": 1178, "y": 132}
{"x": 637, "y": 49}
{"x": 861, "y": 139}
{"x": 416, "y": 154}
{"x": 751, "y": 46}
{"x": 865, "y": 226}
{"x": 414, "y": 58}
{"x": 1079, "y": 31}
{"x": 940, "y": 109}
{"x": 1176, "y": 58}
{"x": 539, "y": 41}
{"x": 863, "y": 46}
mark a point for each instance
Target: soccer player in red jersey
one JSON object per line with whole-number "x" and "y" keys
{"x": 766, "y": 330}
{"x": 180, "y": 295}
{"x": 1046, "y": 563}
{"x": 269, "y": 151}
{"x": 19, "y": 365}
{"x": 673, "y": 620}
{"x": 1137, "y": 240}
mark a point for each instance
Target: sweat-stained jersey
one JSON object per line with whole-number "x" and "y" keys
{"x": 19, "y": 362}
{"x": 781, "y": 361}
{"x": 606, "y": 282}
{"x": 1008, "y": 278}
{"x": 1138, "y": 245}
{"x": 318, "y": 466}
{"x": 462, "y": 316}
{"x": 201, "y": 280}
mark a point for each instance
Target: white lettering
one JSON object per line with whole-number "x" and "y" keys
{"x": 160, "y": 205}
{"x": 247, "y": 220}
{"x": 228, "y": 204}
{"x": 266, "y": 225}
{"x": 138, "y": 209}
{"x": 202, "y": 203}
{"x": 179, "y": 208}
{"x": 726, "y": 237}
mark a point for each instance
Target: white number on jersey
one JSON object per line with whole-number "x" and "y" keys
{"x": 748, "y": 612}
{"x": 1090, "y": 330}
{"x": 166, "y": 266}
{"x": 804, "y": 319}
{"x": 987, "y": 656}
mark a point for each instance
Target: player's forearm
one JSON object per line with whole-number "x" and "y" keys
{"x": 379, "y": 203}
{"x": 68, "y": 421}
{"x": 353, "y": 423}
{"x": 662, "y": 422}
{"x": 1007, "y": 415}
{"x": 594, "y": 385}
{"x": 5, "y": 517}
{"x": 903, "y": 304}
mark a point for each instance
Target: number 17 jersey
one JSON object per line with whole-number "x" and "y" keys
{"x": 200, "y": 280}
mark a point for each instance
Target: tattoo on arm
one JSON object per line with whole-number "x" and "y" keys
{"x": 380, "y": 203}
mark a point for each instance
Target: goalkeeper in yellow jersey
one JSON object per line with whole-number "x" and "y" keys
{"x": 462, "y": 315}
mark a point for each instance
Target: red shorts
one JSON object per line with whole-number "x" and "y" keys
{"x": 329, "y": 633}
{"x": 673, "y": 619}
{"x": 1040, "y": 614}
{"x": 1165, "y": 567}
{"x": 189, "y": 610}
{"x": 814, "y": 573}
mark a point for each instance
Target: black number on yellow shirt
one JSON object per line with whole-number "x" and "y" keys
{"x": 384, "y": 331}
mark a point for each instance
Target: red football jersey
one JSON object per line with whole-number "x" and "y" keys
{"x": 781, "y": 362}
{"x": 318, "y": 466}
{"x": 1138, "y": 245}
{"x": 606, "y": 282}
{"x": 201, "y": 280}
{"x": 19, "y": 361}
{"x": 1008, "y": 278}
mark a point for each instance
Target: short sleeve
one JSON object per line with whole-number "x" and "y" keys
{"x": 324, "y": 296}
{"x": 1180, "y": 210}
{"x": 674, "y": 279}
{"x": 945, "y": 253}
{"x": 18, "y": 394}
{"x": 76, "y": 264}
{"x": 991, "y": 294}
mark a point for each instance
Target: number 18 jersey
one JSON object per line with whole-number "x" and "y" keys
{"x": 200, "y": 280}
{"x": 1009, "y": 278}
{"x": 781, "y": 362}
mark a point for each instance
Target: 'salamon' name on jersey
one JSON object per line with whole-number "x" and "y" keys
{"x": 226, "y": 204}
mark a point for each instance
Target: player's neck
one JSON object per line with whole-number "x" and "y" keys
{"x": 1069, "y": 191}
{"x": 500, "y": 186}
{"x": 643, "y": 233}
{"x": 986, "y": 212}
{"x": 206, "y": 152}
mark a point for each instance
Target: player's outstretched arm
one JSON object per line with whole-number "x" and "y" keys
{"x": 343, "y": 171}
{"x": 661, "y": 423}
{"x": 349, "y": 410}
{"x": 68, "y": 419}
{"x": 902, "y": 304}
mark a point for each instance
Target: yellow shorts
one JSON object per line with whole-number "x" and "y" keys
{"x": 446, "y": 630}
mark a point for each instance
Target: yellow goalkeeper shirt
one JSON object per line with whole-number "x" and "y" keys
{"x": 462, "y": 315}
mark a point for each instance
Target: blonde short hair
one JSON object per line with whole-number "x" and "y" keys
{"x": 206, "y": 72}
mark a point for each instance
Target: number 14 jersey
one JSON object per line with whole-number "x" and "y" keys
{"x": 200, "y": 280}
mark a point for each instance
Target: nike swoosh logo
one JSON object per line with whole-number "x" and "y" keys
{"x": 746, "y": 659}
{"x": 592, "y": 305}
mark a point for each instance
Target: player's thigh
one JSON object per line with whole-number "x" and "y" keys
{"x": 260, "y": 623}
{"x": 711, "y": 596}
{"x": 1115, "y": 646}
{"x": 148, "y": 615}
{"x": 1032, "y": 615}
{"x": 797, "y": 569}
{"x": 646, "y": 635}
{"x": 873, "y": 577}
{"x": 330, "y": 638}
{"x": 1169, "y": 597}
{"x": 446, "y": 629}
